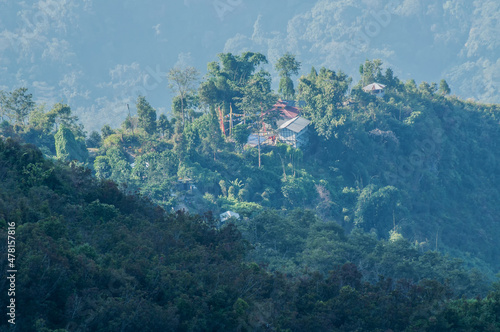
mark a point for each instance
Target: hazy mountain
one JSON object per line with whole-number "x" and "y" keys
{"x": 98, "y": 56}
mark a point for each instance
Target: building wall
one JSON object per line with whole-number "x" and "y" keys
{"x": 295, "y": 139}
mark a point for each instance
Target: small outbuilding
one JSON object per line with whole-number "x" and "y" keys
{"x": 375, "y": 89}
{"x": 227, "y": 215}
{"x": 294, "y": 132}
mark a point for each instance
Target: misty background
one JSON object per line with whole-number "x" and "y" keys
{"x": 98, "y": 56}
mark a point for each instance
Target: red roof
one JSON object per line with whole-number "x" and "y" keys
{"x": 287, "y": 112}
{"x": 290, "y": 112}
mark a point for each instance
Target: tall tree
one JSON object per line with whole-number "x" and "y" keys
{"x": 227, "y": 78}
{"x": 287, "y": 66}
{"x": 106, "y": 131}
{"x": 94, "y": 140}
{"x": 3, "y": 102}
{"x": 324, "y": 95}
{"x": 61, "y": 115}
{"x": 17, "y": 105}
{"x": 371, "y": 71}
{"x": 257, "y": 97}
{"x": 183, "y": 81}
{"x": 163, "y": 125}
{"x": 444, "y": 88}
{"x": 130, "y": 123}
{"x": 239, "y": 69}
{"x": 146, "y": 114}
{"x": 67, "y": 147}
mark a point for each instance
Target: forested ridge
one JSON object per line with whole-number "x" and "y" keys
{"x": 386, "y": 219}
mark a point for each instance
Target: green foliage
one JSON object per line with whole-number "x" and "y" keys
{"x": 100, "y": 211}
{"x": 183, "y": 81}
{"x": 241, "y": 133}
{"x": 298, "y": 190}
{"x": 102, "y": 248}
{"x": 444, "y": 88}
{"x": 398, "y": 186}
{"x": 40, "y": 120}
{"x": 323, "y": 95}
{"x": 17, "y": 105}
{"x": 287, "y": 66}
{"x": 106, "y": 131}
{"x": 379, "y": 208}
{"x": 60, "y": 115}
{"x": 235, "y": 78}
{"x": 102, "y": 167}
{"x": 257, "y": 95}
{"x": 146, "y": 115}
{"x": 286, "y": 88}
{"x": 67, "y": 147}
{"x": 164, "y": 126}
{"x": 35, "y": 174}
{"x": 371, "y": 71}
{"x": 94, "y": 140}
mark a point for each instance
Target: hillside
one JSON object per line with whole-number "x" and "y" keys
{"x": 391, "y": 199}
{"x": 92, "y": 258}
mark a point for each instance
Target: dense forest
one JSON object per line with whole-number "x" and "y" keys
{"x": 386, "y": 218}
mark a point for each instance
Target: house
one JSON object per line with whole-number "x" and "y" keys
{"x": 185, "y": 184}
{"x": 287, "y": 110}
{"x": 227, "y": 215}
{"x": 282, "y": 111}
{"x": 294, "y": 131}
{"x": 375, "y": 89}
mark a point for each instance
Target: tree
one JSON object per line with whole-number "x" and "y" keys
{"x": 17, "y": 105}
{"x": 371, "y": 71}
{"x": 444, "y": 88}
{"x": 411, "y": 86}
{"x": 163, "y": 125}
{"x": 208, "y": 131}
{"x": 239, "y": 69}
{"x": 286, "y": 88}
{"x": 257, "y": 98}
{"x": 227, "y": 79}
{"x": 3, "y": 102}
{"x": 67, "y": 147}
{"x": 286, "y": 67}
{"x": 241, "y": 133}
{"x": 180, "y": 144}
{"x": 324, "y": 95}
{"x": 60, "y": 115}
{"x": 127, "y": 124}
{"x": 102, "y": 167}
{"x": 427, "y": 89}
{"x": 183, "y": 81}
{"x": 39, "y": 120}
{"x": 209, "y": 93}
{"x": 94, "y": 140}
{"x": 106, "y": 131}
{"x": 390, "y": 79}
{"x": 379, "y": 208}
{"x": 146, "y": 115}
